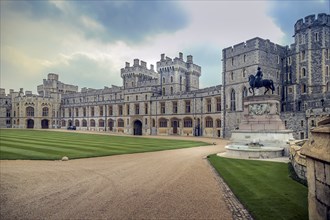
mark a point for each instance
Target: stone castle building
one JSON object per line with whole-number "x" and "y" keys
{"x": 168, "y": 101}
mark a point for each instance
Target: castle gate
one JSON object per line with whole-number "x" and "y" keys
{"x": 44, "y": 123}
{"x": 30, "y": 123}
{"x": 137, "y": 127}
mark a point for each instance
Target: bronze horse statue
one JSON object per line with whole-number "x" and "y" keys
{"x": 267, "y": 83}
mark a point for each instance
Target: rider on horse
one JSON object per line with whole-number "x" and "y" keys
{"x": 259, "y": 76}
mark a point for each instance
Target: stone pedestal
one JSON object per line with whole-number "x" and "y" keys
{"x": 262, "y": 123}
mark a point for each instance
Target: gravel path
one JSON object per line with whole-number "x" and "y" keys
{"x": 173, "y": 184}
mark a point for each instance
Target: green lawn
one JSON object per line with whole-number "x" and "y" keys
{"x": 264, "y": 188}
{"x": 51, "y": 145}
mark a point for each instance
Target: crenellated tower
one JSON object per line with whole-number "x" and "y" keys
{"x": 177, "y": 75}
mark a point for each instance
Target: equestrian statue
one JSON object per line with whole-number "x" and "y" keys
{"x": 257, "y": 82}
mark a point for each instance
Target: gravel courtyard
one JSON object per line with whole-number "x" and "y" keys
{"x": 173, "y": 184}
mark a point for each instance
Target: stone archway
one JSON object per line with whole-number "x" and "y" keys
{"x": 44, "y": 123}
{"x": 30, "y": 123}
{"x": 137, "y": 127}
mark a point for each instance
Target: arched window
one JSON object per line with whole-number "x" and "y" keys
{"x": 163, "y": 91}
{"x": 76, "y": 123}
{"x": 153, "y": 123}
{"x": 171, "y": 90}
{"x": 110, "y": 124}
{"x": 303, "y": 72}
{"x": 162, "y": 123}
{"x": 101, "y": 123}
{"x": 328, "y": 87}
{"x": 84, "y": 123}
{"x": 92, "y": 123}
{"x": 244, "y": 72}
{"x": 63, "y": 123}
{"x": 232, "y": 75}
{"x": 218, "y": 121}
{"x": 120, "y": 123}
{"x": 208, "y": 122}
{"x": 245, "y": 92}
{"x": 45, "y": 111}
{"x": 171, "y": 79}
{"x": 30, "y": 111}
{"x": 187, "y": 122}
{"x": 163, "y": 79}
{"x": 232, "y": 100}
{"x": 244, "y": 58}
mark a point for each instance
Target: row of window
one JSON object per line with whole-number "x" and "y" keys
{"x": 163, "y": 123}
{"x": 146, "y": 108}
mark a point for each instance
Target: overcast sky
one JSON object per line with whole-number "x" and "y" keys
{"x": 88, "y": 42}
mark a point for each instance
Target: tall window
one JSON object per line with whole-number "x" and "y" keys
{"x": 137, "y": 109}
{"x": 163, "y": 91}
{"x": 218, "y": 121}
{"x": 92, "y": 112}
{"x": 84, "y": 112}
{"x": 187, "y": 106}
{"x": 175, "y": 107}
{"x": 70, "y": 112}
{"x": 146, "y": 108}
{"x": 76, "y": 123}
{"x": 218, "y": 100}
{"x": 77, "y": 112}
{"x": 127, "y": 109}
{"x": 163, "y": 79}
{"x": 208, "y": 105}
{"x": 120, "y": 112}
{"x": 303, "y": 88}
{"x": 232, "y": 101}
{"x": 171, "y": 90}
{"x": 162, "y": 107}
{"x": 101, "y": 110}
{"x": 45, "y": 111}
{"x": 245, "y": 92}
{"x": 209, "y": 122}
{"x": 84, "y": 123}
{"x": 110, "y": 110}
{"x": 303, "y": 55}
{"x": 303, "y": 72}
{"x": 29, "y": 111}
{"x": 232, "y": 75}
{"x": 171, "y": 79}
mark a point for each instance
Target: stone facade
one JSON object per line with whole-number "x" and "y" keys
{"x": 300, "y": 74}
{"x": 166, "y": 102}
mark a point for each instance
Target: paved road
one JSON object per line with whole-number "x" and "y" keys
{"x": 174, "y": 184}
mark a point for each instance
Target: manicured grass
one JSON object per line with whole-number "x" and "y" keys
{"x": 264, "y": 188}
{"x": 51, "y": 145}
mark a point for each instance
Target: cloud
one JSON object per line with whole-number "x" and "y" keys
{"x": 286, "y": 13}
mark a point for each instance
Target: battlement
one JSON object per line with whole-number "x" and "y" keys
{"x": 167, "y": 64}
{"x": 252, "y": 44}
{"x": 139, "y": 68}
{"x": 312, "y": 20}
{"x": 52, "y": 76}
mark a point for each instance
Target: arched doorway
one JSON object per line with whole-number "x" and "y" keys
{"x": 137, "y": 127}
{"x": 30, "y": 123}
{"x": 44, "y": 123}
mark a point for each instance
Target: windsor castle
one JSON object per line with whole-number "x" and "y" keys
{"x": 167, "y": 100}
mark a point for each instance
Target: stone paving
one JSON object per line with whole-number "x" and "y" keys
{"x": 238, "y": 211}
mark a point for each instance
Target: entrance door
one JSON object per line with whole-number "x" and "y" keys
{"x": 137, "y": 127}
{"x": 175, "y": 127}
{"x": 30, "y": 123}
{"x": 44, "y": 124}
